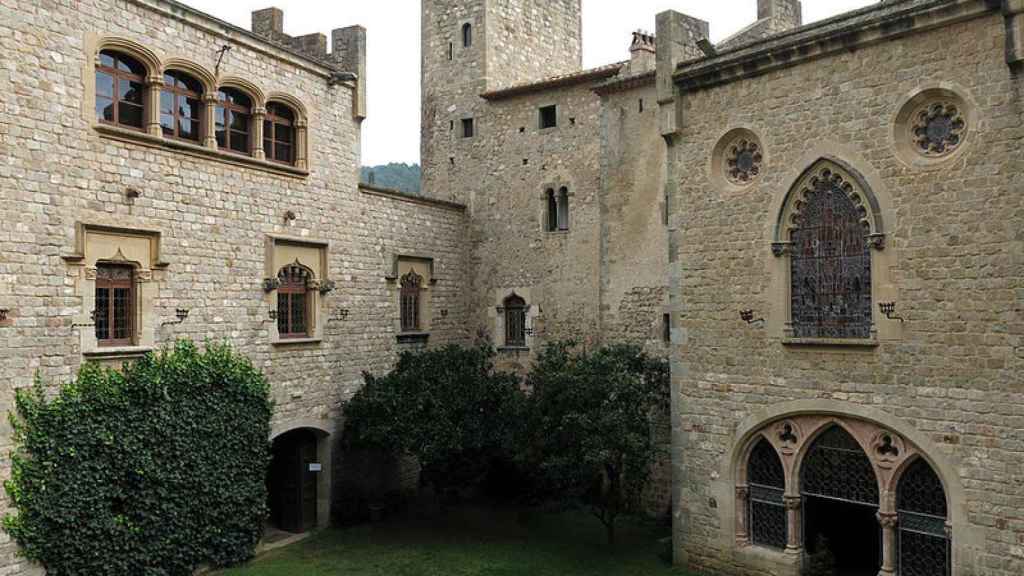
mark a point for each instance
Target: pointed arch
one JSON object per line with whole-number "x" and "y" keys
{"x": 846, "y": 178}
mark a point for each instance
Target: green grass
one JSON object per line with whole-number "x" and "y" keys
{"x": 473, "y": 543}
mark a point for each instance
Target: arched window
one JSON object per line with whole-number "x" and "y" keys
{"x": 114, "y": 315}
{"x": 412, "y": 285}
{"x": 830, "y": 278}
{"x": 234, "y": 121}
{"x": 467, "y": 35}
{"x": 120, "y": 90}
{"x": 552, "y": 211}
{"x": 767, "y": 483}
{"x": 924, "y": 544}
{"x": 279, "y": 133}
{"x": 181, "y": 106}
{"x": 836, "y": 467}
{"x": 515, "y": 321}
{"x": 293, "y": 302}
{"x": 563, "y": 209}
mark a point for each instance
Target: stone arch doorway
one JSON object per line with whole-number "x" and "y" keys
{"x": 863, "y": 484}
{"x": 840, "y": 504}
{"x": 298, "y": 481}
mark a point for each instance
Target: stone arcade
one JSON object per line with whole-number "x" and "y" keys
{"x": 819, "y": 224}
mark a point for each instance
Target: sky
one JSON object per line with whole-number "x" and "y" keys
{"x": 391, "y": 132}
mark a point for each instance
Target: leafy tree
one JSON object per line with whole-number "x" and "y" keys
{"x": 590, "y": 429}
{"x": 153, "y": 470}
{"x": 398, "y": 176}
{"x": 447, "y": 407}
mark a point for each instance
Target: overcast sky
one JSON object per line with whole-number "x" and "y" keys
{"x": 391, "y": 133}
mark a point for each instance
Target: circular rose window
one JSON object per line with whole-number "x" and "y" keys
{"x": 739, "y": 157}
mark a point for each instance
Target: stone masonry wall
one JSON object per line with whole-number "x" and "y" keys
{"x": 953, "y": 372}
{"x": 214, "y": 215}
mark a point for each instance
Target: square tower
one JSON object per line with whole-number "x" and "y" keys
{"x": 472, "y": 46}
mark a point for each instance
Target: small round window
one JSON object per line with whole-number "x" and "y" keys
{"x": 932, "y": 126}
{"x": 738, "y": 158}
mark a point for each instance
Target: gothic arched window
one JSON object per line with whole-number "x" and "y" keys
{"x": 767, "y": 489}
{"x": 412, "y": 286}
{"x": 830, "y": 243}
{"x": 515, "y": 321}
{"x": 924, "y": 544}
{"x": 293, "y": 302}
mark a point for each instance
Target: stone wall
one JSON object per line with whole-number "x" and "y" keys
{"x": 214, "y": 213}
{"x": 950, "y": 376}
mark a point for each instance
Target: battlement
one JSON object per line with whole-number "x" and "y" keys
{"x": 348, "y": 47}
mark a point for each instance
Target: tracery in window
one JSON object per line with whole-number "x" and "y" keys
{"x": 293, "y": 301}
{"x": 233, "y": 120}
{"x": 515, "y": 321}
{"x": 181, "y": 106}
{"x": 114, "y": 316}
{"x": 120, "y": 90}
{"x": 279, "y": 133}
{"x": 768, "y": 526}
{"x": 411, "y": 289}
{"x": 831, "y": 262}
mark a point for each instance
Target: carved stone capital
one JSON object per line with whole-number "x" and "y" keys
{"x": 90, "y": 273}
{"x": 888, "y": 520}
{"x": 142, "y": 276}
{"x": 742, "y": 493}
{"x": 793, "y": 502}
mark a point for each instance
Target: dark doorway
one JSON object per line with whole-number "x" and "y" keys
{"x": 292, "y": 482}
{"x": 851, "y": 530}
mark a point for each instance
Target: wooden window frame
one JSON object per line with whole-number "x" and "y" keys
{"x": 230, "y": 108}
{"x": 117, "y": 75}
{"x": 111, "y": 285}
{"x": 289, "y": 289}
{"x": 271, "y": 124}
{"x": 177, "y": 92}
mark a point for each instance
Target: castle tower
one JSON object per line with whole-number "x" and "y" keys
{"x": 470, "y": 47}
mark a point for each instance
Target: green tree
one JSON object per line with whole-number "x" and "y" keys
{"x": 447, "y": 407}
{"x": 152, "y": 470}
{"x": 590, "y": 426}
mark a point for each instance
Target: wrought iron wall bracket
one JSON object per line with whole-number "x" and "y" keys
{"x": 181, "y": 314}
{"x": 748, "y": 317}
{"x": 889, "y": 311}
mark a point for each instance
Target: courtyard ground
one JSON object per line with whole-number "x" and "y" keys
{"x": 473, "y": 542}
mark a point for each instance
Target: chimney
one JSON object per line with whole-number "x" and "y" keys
{"x": 642, "y": 53}
{"x": 784, "y": 14}
{"x": 268, "y": 23}
{"x": 348, "y": 51}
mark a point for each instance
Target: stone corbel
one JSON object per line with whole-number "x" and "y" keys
{"x": 780, "y": 249}
{"x": 143, "y": 276}
{"x": 876, "y": 241}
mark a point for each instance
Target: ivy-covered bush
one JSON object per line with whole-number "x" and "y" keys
{"x": 447, "y": 407}
{"x": 151, "y": 471}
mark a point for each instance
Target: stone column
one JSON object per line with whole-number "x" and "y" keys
{"x": 209, "y": 136}
{"x": 793, "y": 518}
{"x": 301, "y": 139}
{"x": 742, "y": 503}
{"x": 154, "y": 85}
{"x": 888, "y": 521}
{"x": 258, "y": 116}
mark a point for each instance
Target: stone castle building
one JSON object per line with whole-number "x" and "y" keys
{"x": 819, "y": 224}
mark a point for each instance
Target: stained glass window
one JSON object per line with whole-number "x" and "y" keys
{"x": 831, "y": 264}
{"x": 767, "y": 488}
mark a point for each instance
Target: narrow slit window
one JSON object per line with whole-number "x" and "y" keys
{"x": 467, "y": 35}
{"x": 563, "y": 209}
{"x": 468, "y": 128}
{"x": 552, "y": 209}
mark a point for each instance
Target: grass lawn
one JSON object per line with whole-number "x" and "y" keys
{"x": 473, "y": 542}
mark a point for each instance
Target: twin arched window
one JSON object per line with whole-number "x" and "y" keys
{"x": 234, "y": 123}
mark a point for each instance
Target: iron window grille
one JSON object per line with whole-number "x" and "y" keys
{"x": 767, "y": 511}
{"x": 837, "y": 468}
{"x": 924, "y": 543}
{"x": 293, "y": 302}
{"x": 515, "y": 322}
{"x": 411, "y": 287}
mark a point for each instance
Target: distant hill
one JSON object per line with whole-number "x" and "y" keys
{"x": 404, "y": 177}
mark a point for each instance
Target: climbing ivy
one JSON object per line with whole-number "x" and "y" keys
{"x": 153, "y": 470}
